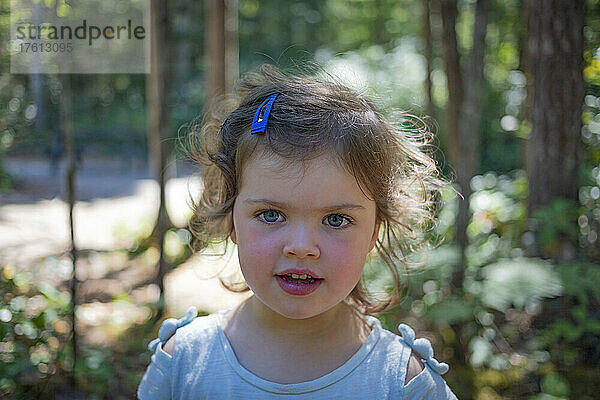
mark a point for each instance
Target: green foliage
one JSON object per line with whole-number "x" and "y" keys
{"x": 35, "y": 348}
{"x": 119, "y": 367}
{"x": 573, "y": 327}
{"x": 556, "y": 223}
{"x": 589, "y": 193}
{"x": 555, "y": 385}
{"x": 176, "y": 245}
{"x": 33, "y": 333}
{"x": 498, "y": 217}
{"x": 505, "y": 91}
{"x": 6, "y": 180}
{"x": 523, "y": 319}
{"x": 379, "y": 67}
{"x": 451, "y": 311}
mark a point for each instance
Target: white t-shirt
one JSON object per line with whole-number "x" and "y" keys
{"x": 204, "y": 366}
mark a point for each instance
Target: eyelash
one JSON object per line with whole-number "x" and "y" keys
{"x": 350, "y": 220}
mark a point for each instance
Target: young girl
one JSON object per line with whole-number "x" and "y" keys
{"x": 306, "y": 178}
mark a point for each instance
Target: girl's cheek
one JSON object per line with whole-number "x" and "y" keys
{"x": 342, "y": 253}
{"x": 259, "y": 242}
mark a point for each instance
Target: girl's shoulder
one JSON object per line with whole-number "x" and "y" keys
{"x": 422, "y": 371}
{"x": 186, "y": 331}
{"x": 188, "y": 337}
{"x": 404, "y": 345}
{"x": 423, "y": 348}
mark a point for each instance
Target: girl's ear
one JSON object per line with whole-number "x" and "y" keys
{"x": 375, "y": 235}
{"x": 232, "y": 234}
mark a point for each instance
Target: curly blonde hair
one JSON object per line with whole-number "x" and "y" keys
{"x": 313, "y": 116}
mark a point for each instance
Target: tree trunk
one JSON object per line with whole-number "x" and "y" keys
{"x": 378, "y": 28}
{"x": 35, "y": 83}
{"x": 67, "y": 127}
{"x": 428, "y": 57}
{"x": 463, "y": 112}
{"x": 453, "y": 75}
{"x": 469, "y": 128}
{"x": 463, "y": 127}
{"x": 221, "y": 46}
{"x": 232, "y": 52}
{"x": 215, "y": 48}
{"x": 556, "y": 67}
{"x": 524, "y": 66}
{"x": 158, "y": 129}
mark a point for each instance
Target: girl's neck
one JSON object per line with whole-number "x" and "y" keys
{"x": 342, "y": 318}
{"x": 274, "y": 322}
{"x": 285, "y": 350}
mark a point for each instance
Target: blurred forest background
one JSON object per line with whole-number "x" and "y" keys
{"x": 93, "y": 175}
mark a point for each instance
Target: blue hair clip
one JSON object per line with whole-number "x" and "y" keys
{"x": 259, "y": 123}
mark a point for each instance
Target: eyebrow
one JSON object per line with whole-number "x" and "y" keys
{"x": 342, "y": 206}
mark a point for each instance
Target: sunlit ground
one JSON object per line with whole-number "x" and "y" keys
{"x": 116, "y": 209}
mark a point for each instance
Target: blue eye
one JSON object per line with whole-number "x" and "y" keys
{"x": 336, "y": 220}
{"x": 270, "y": 216}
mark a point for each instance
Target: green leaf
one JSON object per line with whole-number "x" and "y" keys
{"x": 555, "y": 385}
{"x": 450, "y": 311}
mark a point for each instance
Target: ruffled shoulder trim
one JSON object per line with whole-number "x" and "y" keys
{"x": 423, "y": 348}
{"x": 170, "y": 325}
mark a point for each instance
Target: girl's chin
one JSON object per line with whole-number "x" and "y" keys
{"x": 299, "y": 315}
{"x": 304, "y": 312}
{"x": 297, "y": 312}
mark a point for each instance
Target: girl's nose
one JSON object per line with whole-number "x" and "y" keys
{"x": 302, "y": 244}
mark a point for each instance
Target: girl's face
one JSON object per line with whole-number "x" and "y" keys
{"x": 302, "y": 239}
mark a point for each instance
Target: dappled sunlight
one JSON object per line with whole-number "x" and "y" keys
{"x": 105, "y": 323}
{"x": 31, "y": 231}
{"x": 116, "y": 271}
{"x": 196, "y": 282}
{"x": 521, "y": 283}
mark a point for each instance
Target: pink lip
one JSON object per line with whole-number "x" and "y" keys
{"x": 296, "y": 288}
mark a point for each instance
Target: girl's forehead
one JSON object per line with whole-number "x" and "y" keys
{"x": 319, "y": 183}
{"x": 276, "y": 168}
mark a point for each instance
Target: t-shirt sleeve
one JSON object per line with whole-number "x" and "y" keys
{"x": 156, "y": 383}
{"x": 428, "y": 384}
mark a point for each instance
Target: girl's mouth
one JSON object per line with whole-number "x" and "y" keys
{"x": 298, "y": 284}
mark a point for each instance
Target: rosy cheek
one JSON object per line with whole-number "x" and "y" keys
{"x": 258, "y": 243}
{"x": 342, "y": 254}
